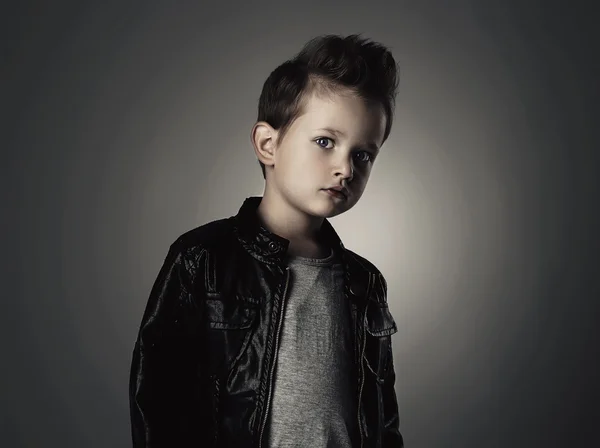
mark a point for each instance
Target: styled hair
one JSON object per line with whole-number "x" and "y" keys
{"x": 329, "y": 64}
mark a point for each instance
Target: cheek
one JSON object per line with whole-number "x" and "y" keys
{"x": 361, "y": 176}
{"x": 307, "y": 163}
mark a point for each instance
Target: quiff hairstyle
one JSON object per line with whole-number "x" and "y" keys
{"x": 329, "y": 64}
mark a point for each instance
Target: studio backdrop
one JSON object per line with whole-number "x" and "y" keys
{"x": 125, "y": 125}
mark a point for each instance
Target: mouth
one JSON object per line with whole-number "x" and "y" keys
{"x": 335, "y": 193}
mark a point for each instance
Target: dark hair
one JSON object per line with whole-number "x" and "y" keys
{"x": 329, "y": 63}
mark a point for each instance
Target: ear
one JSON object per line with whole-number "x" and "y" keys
{"x": 264, "y": 139}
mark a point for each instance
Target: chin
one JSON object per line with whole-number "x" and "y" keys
{"x": 335, "y": 213}
{"x": 330, "y": 210}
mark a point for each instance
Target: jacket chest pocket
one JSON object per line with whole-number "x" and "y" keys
{"x": 379, "y": 326}
{"x": 229, "y": 325}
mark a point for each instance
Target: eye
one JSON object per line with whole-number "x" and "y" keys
{"x": 323, "y": 139}
{"x": 369, "y": 157}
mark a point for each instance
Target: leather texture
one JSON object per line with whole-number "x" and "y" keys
{"x": 204, "y": 359}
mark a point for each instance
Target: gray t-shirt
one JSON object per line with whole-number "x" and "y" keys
{"x": 314, "y": 395}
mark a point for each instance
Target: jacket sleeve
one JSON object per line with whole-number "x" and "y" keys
{"x": 392, "y": 438}
{"x": 164, "y": 406}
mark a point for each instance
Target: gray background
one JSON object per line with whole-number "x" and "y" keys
{"x": 124, "y": 125}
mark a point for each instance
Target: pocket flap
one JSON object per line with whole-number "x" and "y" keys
{"x": 228, "y": 315}
{"x": 380, "y": 321}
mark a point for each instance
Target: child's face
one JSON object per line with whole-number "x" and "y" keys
{"x": 311, "y": 158}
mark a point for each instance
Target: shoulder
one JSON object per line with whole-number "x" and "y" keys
{"x": 189, "y": 251}
{"x": 362, "y": 262}
{"x": 379, "y": 282}
{"x": 205, "y": 236}
{"x": 191, "y": 246}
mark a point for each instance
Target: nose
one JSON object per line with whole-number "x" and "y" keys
{"x": 346, "y": 169}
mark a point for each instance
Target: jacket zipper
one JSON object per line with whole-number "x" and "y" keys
{"x": 360, "y": 363}
{"x": 216, "y": 410}
{"x": 268, "y": 403}
{"x": 362, "y": 375}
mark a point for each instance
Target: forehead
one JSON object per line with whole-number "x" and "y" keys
{"x": 346, "y": 112}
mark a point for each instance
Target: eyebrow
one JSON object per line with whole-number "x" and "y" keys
{"x": 370, "y": 145}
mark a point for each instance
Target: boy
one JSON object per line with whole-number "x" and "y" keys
{"x": 262, "y": 329}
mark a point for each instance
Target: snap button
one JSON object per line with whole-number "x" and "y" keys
{"x": 273, "y": 247}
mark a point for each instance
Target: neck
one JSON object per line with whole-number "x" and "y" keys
{"x": 284, "y": 220}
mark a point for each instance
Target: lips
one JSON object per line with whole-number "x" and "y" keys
{"x": 336, "y": 193}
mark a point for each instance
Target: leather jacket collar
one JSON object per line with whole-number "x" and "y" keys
{"x": 270, "y": 248}
{"x": 265, "y": 245}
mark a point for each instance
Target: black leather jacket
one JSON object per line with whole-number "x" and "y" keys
{"x": 203, "y": 362}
